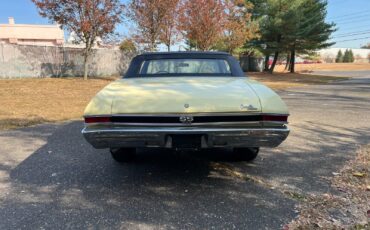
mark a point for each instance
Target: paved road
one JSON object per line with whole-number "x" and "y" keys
{"x": 51, "y": 178}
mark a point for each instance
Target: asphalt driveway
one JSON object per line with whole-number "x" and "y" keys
{"x": 50, "y": 178}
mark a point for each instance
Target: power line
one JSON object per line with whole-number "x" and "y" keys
{"x": 352, "y": 39}
{"x": 350, "y": 14}
{"x": 341, "y": 23}
{"x": 351, "y": 18}
{"x": 353, "y": 34}
{"x": 356, "y": 27}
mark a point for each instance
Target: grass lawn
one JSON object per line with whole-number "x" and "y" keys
{"x": 327, "y": 67}
{"x": 26, "y": 102}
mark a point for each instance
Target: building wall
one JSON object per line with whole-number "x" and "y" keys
{"x": 31, "y": 34}
{"x": 18, "y": 61}
{"x": 32, "y": 42}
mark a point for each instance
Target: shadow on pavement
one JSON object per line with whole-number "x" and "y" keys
{"x": 68, "y": 183}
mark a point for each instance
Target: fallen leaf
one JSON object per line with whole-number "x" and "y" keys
{"x": 358, "y": 174}
{"x": 368, "y": 188}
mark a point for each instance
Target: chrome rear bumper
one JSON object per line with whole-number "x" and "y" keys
{"x": 116, "y": 137}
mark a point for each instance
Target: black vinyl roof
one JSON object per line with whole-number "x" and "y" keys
{"x": 136, "y": 62}
{"x": 185, "y": 53}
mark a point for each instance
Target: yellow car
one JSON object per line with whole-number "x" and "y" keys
{"x": 185, "y": 100}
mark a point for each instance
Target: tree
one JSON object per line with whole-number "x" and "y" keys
{"x": 239, "y": 27}
{"x": 272, "y": 18}
{"x": 150, "y": 17}
{"x": 339, "y": 57}
{"x": 88, "y": 19}
{"x": 292, "y": 26}
{"x": 351, "y": 57}
{"x": 202, "y": 21}
{"x": 128, "y": 45}
{"x": 169, "y": 32}
{"x": 366, "y": 46}
{"x": 346, "y": 56}
{"x": 368, "y": 57}
{"x": 311, "y": 32}
{"x": 190, "y": 45}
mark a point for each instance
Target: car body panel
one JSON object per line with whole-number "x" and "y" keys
{"x": 172, "y": 95}
{"x": 271, "y": 103}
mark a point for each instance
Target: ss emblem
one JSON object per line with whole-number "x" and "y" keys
{"x": 186, "y": 119}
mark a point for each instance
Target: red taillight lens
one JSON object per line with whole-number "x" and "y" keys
{"x": 97, "y": 119}
{"x": 281, "y": 118}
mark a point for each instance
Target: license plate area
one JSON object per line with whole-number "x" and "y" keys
{"x": 186, "y": 141}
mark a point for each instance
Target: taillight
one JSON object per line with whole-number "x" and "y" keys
{"x": 97, "y": 119}
{"x": 280, "y": 118}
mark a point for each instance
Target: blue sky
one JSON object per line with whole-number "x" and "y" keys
{"x": 351, "y": 16}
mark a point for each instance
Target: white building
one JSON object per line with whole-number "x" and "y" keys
{"x": 329, "y": 55}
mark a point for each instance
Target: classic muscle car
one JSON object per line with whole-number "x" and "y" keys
{"x": 185, "y": 100}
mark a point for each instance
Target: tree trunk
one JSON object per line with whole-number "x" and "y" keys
{"x": 169, "y": 47}
{"x": 152, "y": 45}
{"x": 85, "y": 65}
{"x": 292, "y": 61}
{"x": 274, "y": 62}
{"x": 276, "y": 53}
{"x": 267, "y": 59}
{"x": 287, "y": 65}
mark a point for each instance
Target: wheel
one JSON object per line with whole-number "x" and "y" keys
{"x": 247, "y": 154}
{"x": 123, "y": 154}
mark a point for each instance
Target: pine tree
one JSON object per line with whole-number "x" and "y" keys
{"x": 310, "y": 31}
{"x": 346, "y": 56}
{"x": 271, "y": 17}
{"x": 292, "y": 26}
{"x": 339, "y": 57}
{"x": 190, "y": 45}
{"x": 351, "y": 56}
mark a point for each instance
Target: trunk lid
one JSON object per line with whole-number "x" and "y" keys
{"x": 183, "y": 95}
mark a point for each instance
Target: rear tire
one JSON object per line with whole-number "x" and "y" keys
{"x": 123, "y": 154}
{"x": 247, "y": 154}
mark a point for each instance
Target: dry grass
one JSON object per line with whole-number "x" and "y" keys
{"x": 288, "y": 80}
{"x": 27, "y": 102}
{"x": 327, "y": 67}
{"x": 349, "y": 209}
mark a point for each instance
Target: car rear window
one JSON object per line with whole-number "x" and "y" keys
{"x": 185, "y": 67}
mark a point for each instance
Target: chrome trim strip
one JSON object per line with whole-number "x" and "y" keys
{"x": 118, "y": 124}
{"x": 234, "y": 124}
{"x": 247, "y": 113}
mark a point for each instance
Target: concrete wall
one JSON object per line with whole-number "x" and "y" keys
{"x": 251, "y": 64}
{"x": 17, "y": 61}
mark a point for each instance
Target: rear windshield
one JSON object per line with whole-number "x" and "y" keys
{"x": 185, "y": 67}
